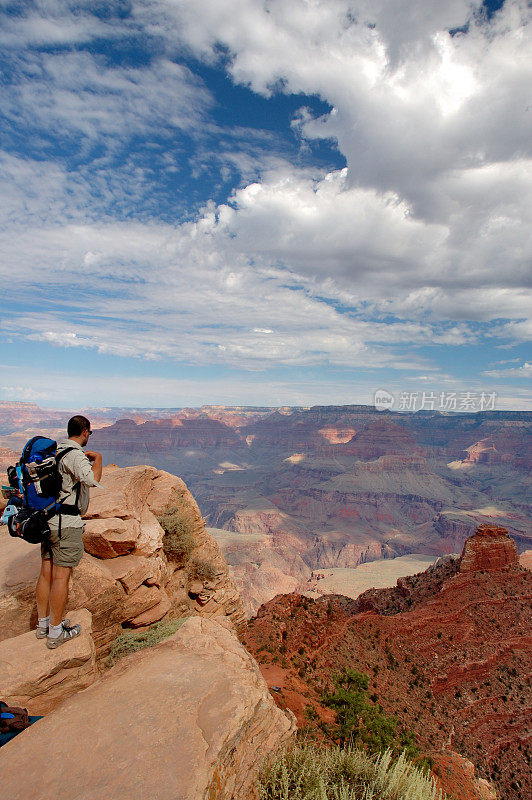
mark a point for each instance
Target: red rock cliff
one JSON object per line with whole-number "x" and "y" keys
{"x": 447, "y": 651}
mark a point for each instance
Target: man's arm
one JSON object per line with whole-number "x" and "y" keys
{"x": 81, "y": 469}
{"x": 96, "y": 461}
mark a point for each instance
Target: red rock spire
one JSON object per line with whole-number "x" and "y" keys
{"x": 490, "y": 548}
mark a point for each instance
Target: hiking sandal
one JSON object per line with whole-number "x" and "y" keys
{"x": 68, "y": 632}
{"x": 42, "y": 633}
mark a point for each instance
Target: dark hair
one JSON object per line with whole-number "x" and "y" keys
{"x": 78, "y": 424}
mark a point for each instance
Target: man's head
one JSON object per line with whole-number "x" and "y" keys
{"x": 79, "y": 428}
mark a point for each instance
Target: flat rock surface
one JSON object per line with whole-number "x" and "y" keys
{"x": 38, "y": 678}
{"x": 188, "y": 719}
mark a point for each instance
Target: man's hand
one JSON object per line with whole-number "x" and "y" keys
{"x": 96, "y": 461}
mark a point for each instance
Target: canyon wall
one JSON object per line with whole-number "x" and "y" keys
{"x": 448, "y": 652}
{"x": 337, "y": 486}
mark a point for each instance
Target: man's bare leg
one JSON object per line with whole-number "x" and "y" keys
{"x": 59, "y": 593}
{"x": 44, "y": 585}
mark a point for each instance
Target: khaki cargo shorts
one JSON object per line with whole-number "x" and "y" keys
{"x": 67, "y": 550}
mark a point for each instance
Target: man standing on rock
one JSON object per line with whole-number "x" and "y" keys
{"x": 64, "y": 548}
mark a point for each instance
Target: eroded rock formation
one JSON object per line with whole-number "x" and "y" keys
{"x": 191, "y": 717}
{"x": 490, "y": 548}
{"x": 125, "y": 579}
{"x": 455, "y": 776}
{"x": 332, "y": 486}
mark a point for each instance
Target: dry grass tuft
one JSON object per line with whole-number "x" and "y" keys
{"x": 309, "y": 772}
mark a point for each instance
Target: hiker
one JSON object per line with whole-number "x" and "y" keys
{"x": 63, "y": 549}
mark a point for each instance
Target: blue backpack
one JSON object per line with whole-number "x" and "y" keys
{"x": 35, "y": 484}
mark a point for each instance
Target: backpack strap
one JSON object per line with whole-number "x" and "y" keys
{"x": 63, "y": 453}
{"x": 69, "y": 509}
{"x": 72, "y": 509}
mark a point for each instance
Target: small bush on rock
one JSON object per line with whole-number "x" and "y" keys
{"x": 178, "y": 541}
{"x": 202, "y": 571}
{"x": 131, "y": 641}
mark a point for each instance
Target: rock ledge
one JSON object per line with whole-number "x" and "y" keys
{"x": 190, "y": 718}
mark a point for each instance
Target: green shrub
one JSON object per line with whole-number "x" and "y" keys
{"x": 361, "y": 722}
{"x": 131, "y": 641}
{"x": 202, "y": 571}
{"x": 309, "y": 772}
{"x": 178, "y": 541}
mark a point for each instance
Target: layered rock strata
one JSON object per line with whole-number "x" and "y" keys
{"x": 334, "y": 486}
{"x": 191, "y": 718}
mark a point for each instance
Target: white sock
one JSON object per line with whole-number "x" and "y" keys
{"x": 55, "y": 630}
{"x": 44, "y": 622}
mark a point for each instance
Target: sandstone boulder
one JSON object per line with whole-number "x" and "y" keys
{"x": 166, "y": 488}
{"x": 141, "y": 600}
{"x": 150, "y": 540}
{"x": 490, "y": 548}
{"x": 190, "y": 718}
{"x": 132, "y": 571}
{"x": 110, "y": 537}
{"x": 38, "y": 678}
{"x": 154, "y": 613}
{"x": 123, "y": 493}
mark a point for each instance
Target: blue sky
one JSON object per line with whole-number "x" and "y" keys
{"x": 264, "y": 202}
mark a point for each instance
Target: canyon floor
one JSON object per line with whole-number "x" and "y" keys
{"x": 380, "y": 574}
